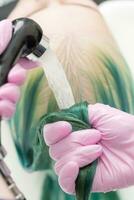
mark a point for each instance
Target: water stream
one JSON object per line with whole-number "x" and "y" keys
{"x": 57, "y": 79}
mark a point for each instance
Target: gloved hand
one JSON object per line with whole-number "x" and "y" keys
{"x": 10, "y": 92}
{"x": 111, "y": 140}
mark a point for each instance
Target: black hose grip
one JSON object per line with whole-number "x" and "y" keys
{"x": 27, "y": 34}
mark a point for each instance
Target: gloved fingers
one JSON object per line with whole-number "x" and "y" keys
{"x": 27, "y": 64}
{"x": 7, "y": 108}
{"x": 10, "y": 92}
{"x": 68, "y": 176}
{"x": 5, "y": 34}
{"x": 54, "y": 132}
{"x": 98, "y": 113}
{"x": 73, "y": 141}
{"x": 82, "y": 156}
{"x": 108, "y": 120}
{"x": 17, "y": 75}
{"x": 86, "y": 137}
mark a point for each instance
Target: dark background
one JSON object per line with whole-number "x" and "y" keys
{"x": 5, "y": 10}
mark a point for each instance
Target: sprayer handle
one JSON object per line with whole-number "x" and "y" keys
{"x": 26, "y": 36}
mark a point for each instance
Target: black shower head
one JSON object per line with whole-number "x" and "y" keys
{"x": 26, "y": 37}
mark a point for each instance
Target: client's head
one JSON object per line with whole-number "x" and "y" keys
{"x": 93, "y": 65}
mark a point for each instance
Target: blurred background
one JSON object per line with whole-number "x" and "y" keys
{"x": 6, "y": 6}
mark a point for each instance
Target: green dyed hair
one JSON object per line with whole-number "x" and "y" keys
{"x": 95, "y": 75}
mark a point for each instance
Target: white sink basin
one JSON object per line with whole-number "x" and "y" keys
{"x": 119, "y": 16}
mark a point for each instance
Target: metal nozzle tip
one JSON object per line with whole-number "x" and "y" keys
{"x": 40, "y": 49}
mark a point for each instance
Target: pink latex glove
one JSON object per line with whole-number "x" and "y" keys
{"x": 10, "y": 92}
{"x": 111, "y": 139}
